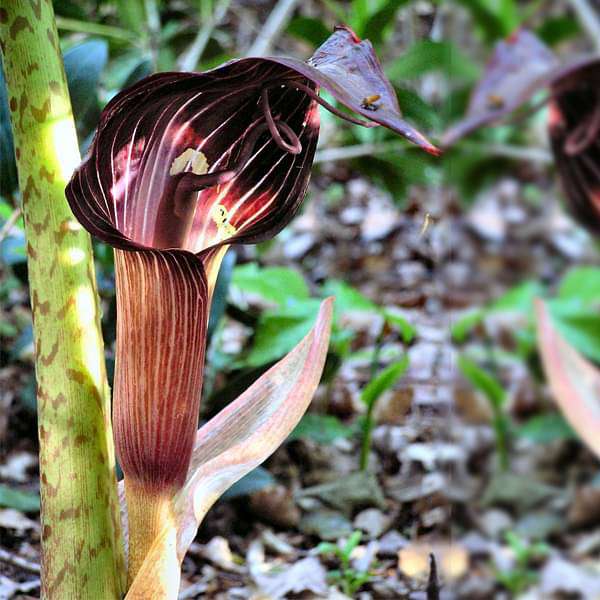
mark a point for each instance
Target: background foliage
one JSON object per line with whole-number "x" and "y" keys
{"x": 267, "y": 298}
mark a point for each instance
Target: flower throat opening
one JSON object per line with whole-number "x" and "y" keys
{"x": 178, "y": 203}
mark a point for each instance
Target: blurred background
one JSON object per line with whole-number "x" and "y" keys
{"x": 434, "y": 429}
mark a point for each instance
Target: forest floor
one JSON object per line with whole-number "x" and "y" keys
{"x": 435, "y": 482}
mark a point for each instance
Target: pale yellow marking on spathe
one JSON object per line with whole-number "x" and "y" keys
{"x": 194, "y": 158}
{"x": 212, "y": 269}
{"x": 220, "y": 216}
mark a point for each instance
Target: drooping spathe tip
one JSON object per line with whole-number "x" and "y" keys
{"x": 431, "y": 149}
{"x": 519, "y": 66}
{"x": 344, "y": 27}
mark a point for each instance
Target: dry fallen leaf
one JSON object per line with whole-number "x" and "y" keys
{"x": 275, "y": 505}
{"x": 17, "y": 465}
{"x": 452, "y": 560}
{"x": 220, "y": 554}
{"x": 14, "y": 519}
{"x": 276, "y": 580}
{"x": 560, "y": 576}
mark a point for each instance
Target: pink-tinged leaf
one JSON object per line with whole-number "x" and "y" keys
{"x": 574, "y": 128}
{"x": 519, "y": 67}
{"x": 252, "y": 427}
{"x": 230, "y": 445}
{"x": 574, "y": 381}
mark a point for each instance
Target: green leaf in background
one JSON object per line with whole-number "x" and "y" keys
{"x": 483, "y": 381}
{"x": 494, "y": 19}
{"x": 469, "y": 169}
{"x": 126, "y": 69}
{"x": 6, "y": 210}
{"x": 546, "y": 428}
{"x": 278, "y": 332}
{"x": 579, "y": 325}
{"x": 70, "y": 9}
{"x": 576, "y": 310}
{"x": 347, "y": 298}
{"x": 308, "y": 29}
{"x": 360, "y": 11}
{"x": 84, "y": 64}
{"x": 402, "y": 325}
{"x": 461, "y": 329}
{"x": 132, "y": 15}
{"x": 556, "y": 30}
{"x": 396, "y": 171}
{"x": 414, "y": 108}
{"x": 323, "y": 429}
{"x": 8, "y": 168}
{"x": 492, "y": 389}
{"x": 275, "y": 284}
{"x": 143, "y": 68}
{"x": 384, "y": 381}
{"x": 508, "y": 13}
{"x": 23, "y": 501}
{"x": 526, "y": 341}
{"x": 519, "y": 298}
{"x": 425, "y": 56}
{"x": 379, "y": 23}
{"x": 581, "y": 283}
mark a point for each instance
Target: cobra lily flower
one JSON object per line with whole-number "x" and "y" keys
{"x": 183, "y": 165}
{"x": 574, "y": 128}
{"x": 521, "y": 66}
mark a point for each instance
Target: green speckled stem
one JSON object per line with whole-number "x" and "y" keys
{"x": 82, "y": 555}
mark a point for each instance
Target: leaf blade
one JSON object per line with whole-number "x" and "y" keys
{"x": 574, "y": 381}
{"x": 384, "y": 381}
{"x": 264, "y": 415}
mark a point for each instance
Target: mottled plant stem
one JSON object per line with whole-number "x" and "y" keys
{"x": 82, "y": 555}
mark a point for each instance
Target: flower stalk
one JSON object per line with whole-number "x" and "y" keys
{"x": 82, "y": 554}
{"x": 150, "y": 516}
